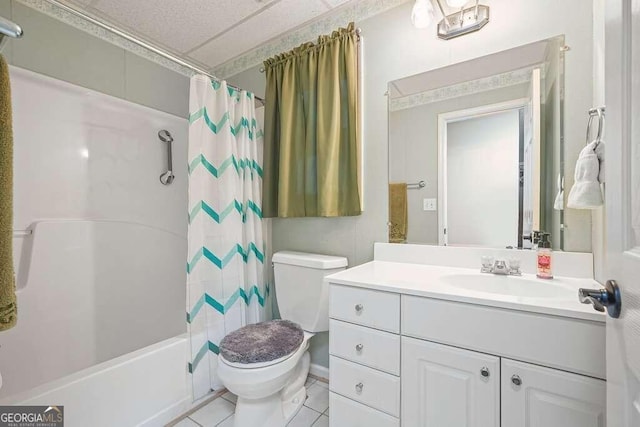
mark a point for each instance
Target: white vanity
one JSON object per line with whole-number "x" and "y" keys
{"x": 414, "y": 344}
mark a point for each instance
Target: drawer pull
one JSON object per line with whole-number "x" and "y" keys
{"x": 359, "y": 348}
{"x": 359, "y": 388}
{"x": 516, "y": 380}
{"x": 485, "y": 372}
{"x": 359, "y": 308}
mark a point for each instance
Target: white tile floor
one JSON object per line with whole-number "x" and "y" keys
{"x": 219, "y": 412}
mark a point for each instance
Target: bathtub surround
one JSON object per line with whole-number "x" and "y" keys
{"x": 8, "y": 308}
{"x": 108, "y": 240}
{"x": 226, "y": 279}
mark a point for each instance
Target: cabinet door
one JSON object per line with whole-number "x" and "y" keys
{"x": 533, "y": 396}
{"x": 445, "y": 386}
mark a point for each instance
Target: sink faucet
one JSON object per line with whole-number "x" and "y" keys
{"x": 501, "y": 266}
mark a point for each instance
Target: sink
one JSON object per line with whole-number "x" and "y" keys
{"x": 508, "y": 285}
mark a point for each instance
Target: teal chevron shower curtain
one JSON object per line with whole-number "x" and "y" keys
{"x": 226, "y": 286}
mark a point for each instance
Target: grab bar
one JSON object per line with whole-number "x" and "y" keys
{"x": 22, "y": 233}
{"x": 167, "y": 177}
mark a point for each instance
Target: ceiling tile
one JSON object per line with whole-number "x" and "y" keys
{"x": 278, "y": 19}
{"x": 180, "y": 25}
{"x": 336, "y": 3}
{"x": 82, "y": 3}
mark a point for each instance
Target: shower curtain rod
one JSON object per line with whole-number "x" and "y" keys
{"x": 141, "y": 43}
{"x": 8, "y": 29}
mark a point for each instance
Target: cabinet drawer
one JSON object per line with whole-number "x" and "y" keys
{"x": 347, "y": 413}
{"x": 576, "y": 345}
{"x": 380, "y": 310}
{"x": 365, "y": 385}
{"x": 376, "y": 349}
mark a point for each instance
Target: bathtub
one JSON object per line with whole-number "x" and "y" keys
{"x": 148, "y": 387}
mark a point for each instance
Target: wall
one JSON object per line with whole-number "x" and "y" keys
{"x": 58, "y": 50}
{"x": 482, "y": 180}
{"x": 413, "y": 152}
{"x": 393, "y": 48}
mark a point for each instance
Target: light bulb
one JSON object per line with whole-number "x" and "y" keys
{"x": 422, "y": 13}
{"x": 457, "y": 3}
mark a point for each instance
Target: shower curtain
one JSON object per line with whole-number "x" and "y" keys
{"x": 226, "y": 286}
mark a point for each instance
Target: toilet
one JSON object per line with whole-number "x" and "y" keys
{"x": 266, "y": 364}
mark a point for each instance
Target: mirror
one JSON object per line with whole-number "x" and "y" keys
{"x": 476, "y": 150}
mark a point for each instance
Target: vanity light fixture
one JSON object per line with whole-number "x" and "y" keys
{"x": 464, "y": 21}
{"x": 422, "y": 14}
{"x": 457, "y": 3}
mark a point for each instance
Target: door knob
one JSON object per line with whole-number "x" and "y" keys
{"x": 359, "y": 388}
{"x": 359, "y": 308}
{"x": 359, "y": 348}
{"x": 516, "y": 380}
{"x": 485, "y": 372}
{"x": 607, "y": 297}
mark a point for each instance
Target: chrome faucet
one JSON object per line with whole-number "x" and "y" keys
{"x": 501, "y": 266}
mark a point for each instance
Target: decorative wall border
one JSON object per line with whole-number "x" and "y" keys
{"x": 485, "y": 84}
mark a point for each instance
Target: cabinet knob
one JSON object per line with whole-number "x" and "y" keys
{"x": 485, "y": 372}
{"x": 516, "y": 380}
{"x": 359, "y": 387}
{"x": 359, "y": 308}
{"x": 359, "y": 348}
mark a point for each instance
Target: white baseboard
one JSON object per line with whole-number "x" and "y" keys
{"x": 319, "y": 371}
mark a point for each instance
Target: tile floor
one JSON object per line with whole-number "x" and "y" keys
{"x": 219, "y": 412}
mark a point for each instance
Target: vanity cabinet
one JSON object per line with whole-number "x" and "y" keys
{"x": 411, "y": 361}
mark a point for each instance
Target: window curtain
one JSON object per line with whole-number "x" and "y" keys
{"x": 311, "y": 157}
{"x": 226, "y": 284}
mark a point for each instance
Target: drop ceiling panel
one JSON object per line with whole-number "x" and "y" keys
{"x": 335, "y": 3}
{"x": 180, "y": 25}
{"x": 280, "y": 18}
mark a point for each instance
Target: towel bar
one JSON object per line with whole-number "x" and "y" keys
{"x": 22, "y": 233}
{"x": 416, "y": 185}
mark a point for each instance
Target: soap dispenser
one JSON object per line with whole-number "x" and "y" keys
{"x": 545, "y": 255}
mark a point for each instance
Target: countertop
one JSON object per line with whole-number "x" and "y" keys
{"x": 431, "y": 281}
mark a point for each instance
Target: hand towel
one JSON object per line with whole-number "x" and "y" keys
{"x": 586, "y": 192}
{"x": 398, "y": 213}
{"x": 8, "y": 307}
{"x": 558, "y": 204}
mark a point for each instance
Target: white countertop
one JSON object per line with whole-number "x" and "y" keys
{"x": 430, "y": 281}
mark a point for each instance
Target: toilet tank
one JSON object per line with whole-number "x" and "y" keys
{"x": 301, "y": 293}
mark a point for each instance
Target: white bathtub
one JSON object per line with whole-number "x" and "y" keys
{"x": 147, "y": 388}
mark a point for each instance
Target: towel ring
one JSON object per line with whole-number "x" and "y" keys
{"x": 599, "y": 111}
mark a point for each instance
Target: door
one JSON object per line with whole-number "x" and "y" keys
{"x": 448, "y": 386}
{"x": 533, "y": 396}
{"x": 622, "y": 95}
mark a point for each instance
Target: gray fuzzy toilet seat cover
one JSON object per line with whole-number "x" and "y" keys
{"x": 262, "y": 342}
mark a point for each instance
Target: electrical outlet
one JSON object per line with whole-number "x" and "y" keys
{"x": 429, "y": 204}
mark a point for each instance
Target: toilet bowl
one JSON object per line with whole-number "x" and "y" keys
{"x": 269, "y": 393}
{"x": 271, "y": 389}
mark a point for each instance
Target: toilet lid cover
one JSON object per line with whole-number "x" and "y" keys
{"x": 262, "y": 342}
